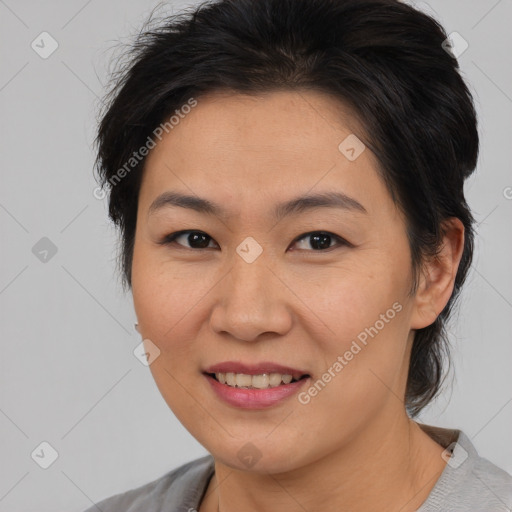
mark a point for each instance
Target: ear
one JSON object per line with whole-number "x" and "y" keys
{"x": 438, "y": 276}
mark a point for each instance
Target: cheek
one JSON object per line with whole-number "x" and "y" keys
{"x": 362, "y": 372}
{"x": 362, "y": 311}
{"x": 168, "y": 308}
{"x": 165, "y": 305}
{"x": 348, "y": 297}
{"x": 169, "y": 300}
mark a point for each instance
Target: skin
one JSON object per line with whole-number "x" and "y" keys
{"x": 352, "y": 447}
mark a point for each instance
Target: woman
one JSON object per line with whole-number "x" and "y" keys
{"x": 287, "y": 176}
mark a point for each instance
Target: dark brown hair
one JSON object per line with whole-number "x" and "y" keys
{"x": 382, "y": 58}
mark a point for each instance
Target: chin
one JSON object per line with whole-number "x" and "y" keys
{"x": 257, "y": 455}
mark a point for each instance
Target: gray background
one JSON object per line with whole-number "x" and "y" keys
{"x": 68, "y": 374}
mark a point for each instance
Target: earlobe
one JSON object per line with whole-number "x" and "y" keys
{"x": 438, "y": 276}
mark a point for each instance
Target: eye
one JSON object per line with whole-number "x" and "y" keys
{"x": 195, "y": 239}
{"x": 320, "y": 240}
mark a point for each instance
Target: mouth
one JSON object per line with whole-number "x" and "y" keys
{"x": 255, "y": 387}
{"x": 263, "y": 375}
{"x": 258, "y": 381}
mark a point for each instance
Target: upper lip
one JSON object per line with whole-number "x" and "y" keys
{"x": 255, "y": 368}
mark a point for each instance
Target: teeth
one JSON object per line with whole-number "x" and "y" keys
{"x": 260, "y": 381}
{"x": 287, "y": 379}
{"x": 263, "y": 381}
{"x": 274, "y": 379}
{"x": 242, "y": 380}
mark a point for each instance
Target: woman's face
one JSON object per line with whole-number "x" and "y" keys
{"x": 258, "y": 285}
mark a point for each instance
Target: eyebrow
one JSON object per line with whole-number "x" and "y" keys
{"x": 287, "y": 208}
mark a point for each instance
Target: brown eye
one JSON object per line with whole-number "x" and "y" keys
{"x": 194, "y": 239}
{"x": 320, "y": 240}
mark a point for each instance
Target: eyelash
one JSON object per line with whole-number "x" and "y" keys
{"x": 171, "y": 239}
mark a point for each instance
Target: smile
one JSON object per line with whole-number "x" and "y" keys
{"x": 262, "y": 381}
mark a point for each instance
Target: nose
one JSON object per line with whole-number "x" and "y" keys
{"x": 251, "y": 301}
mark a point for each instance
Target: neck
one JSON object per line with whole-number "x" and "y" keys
{"x": 391, "y": 465}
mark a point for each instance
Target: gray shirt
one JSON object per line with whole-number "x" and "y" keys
{"x": 468, "y": 483}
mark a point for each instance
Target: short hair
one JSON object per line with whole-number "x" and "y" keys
{"x": 385, "y": 60}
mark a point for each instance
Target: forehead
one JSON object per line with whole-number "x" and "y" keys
{"x": 273, "y": 118}
{"x": 277, "y": 144}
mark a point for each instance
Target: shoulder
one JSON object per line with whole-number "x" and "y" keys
{"x": 469, "y": 481}
{"x": 183, "y": 486}
{"x": 490, "y": 484}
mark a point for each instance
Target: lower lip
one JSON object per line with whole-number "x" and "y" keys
{"x": 255, "y": 398}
